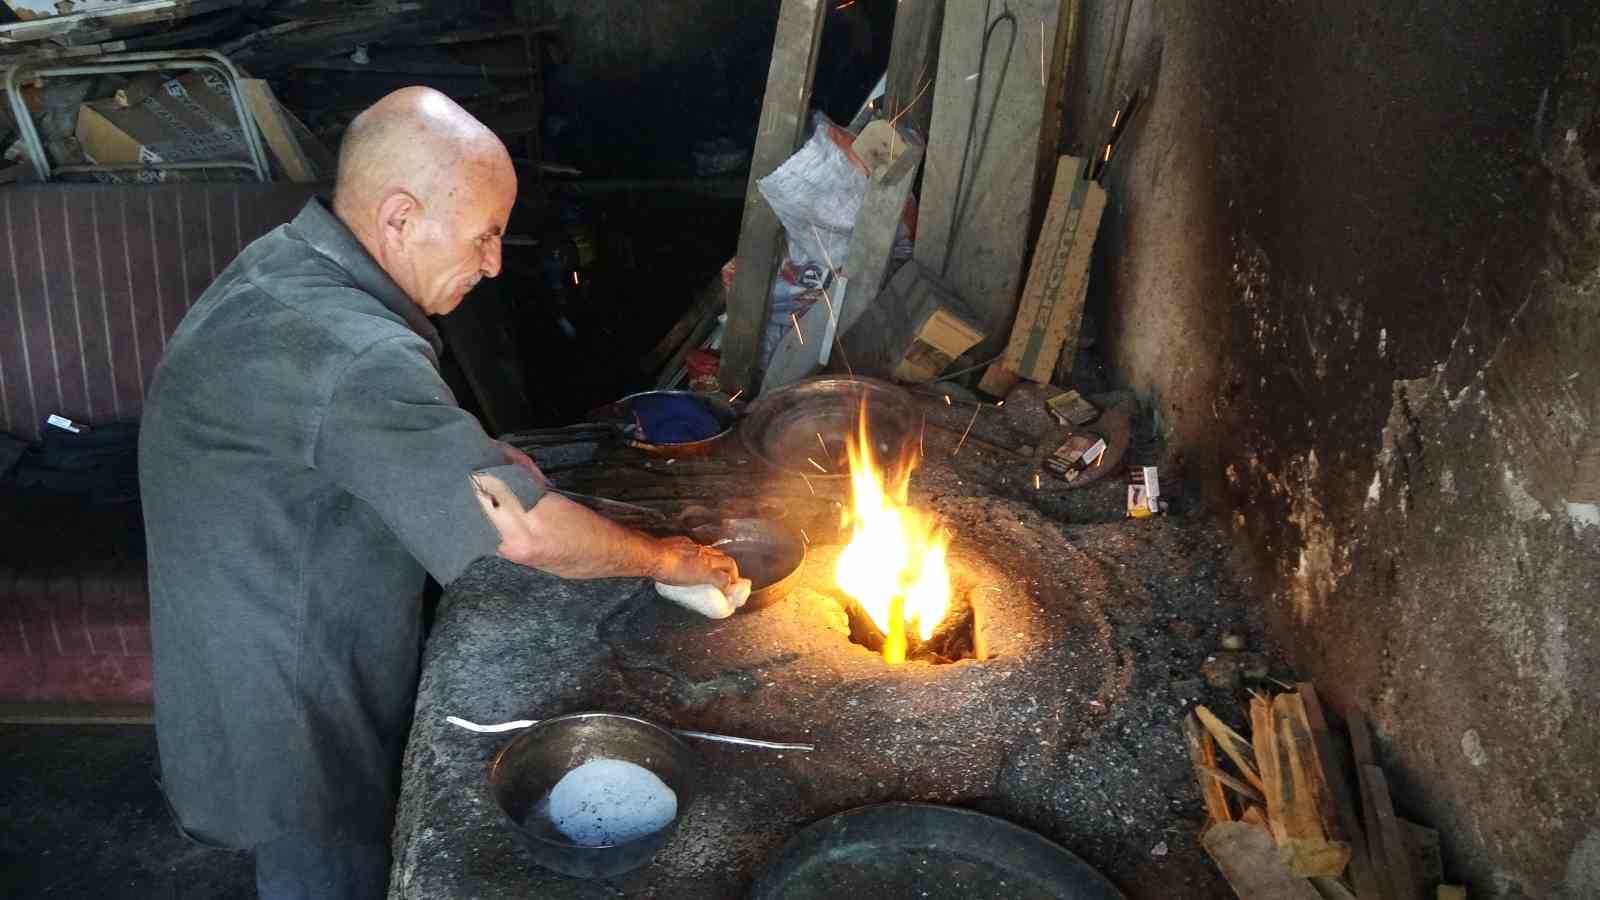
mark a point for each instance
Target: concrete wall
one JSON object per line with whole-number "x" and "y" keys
{"x": 1352, "y": 257}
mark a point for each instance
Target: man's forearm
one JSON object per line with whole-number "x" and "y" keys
{"x": 569, "y": 540}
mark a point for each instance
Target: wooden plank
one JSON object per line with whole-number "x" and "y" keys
{"x": 1309, "y": 837}
{"x": 872, "y": 240}
{"x": 1250, "y": 862}
{"x": 1051, "y": 311}
{"x": 1232, "y": 743}
{"x": 1391, "y": 868}
{"x": 1051, "y": 126}
{"x": 1427, "y": 861}
{"x": 781, "y": 128}
{"x": 276, "y": 131}
{"x": 1338, "y": 780}
{"x": 1264, "y": 739}
{"x": 1239, "y": 787}
{"x": 977, "y": 195}
{"x": 1392, "y": 864}
{"x": 913, "y": 63}
{"x": 706, "y": 304}
{"x": 1203, "y": 755}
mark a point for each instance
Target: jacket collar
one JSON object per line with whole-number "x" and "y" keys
{"x": 319, "y": 227}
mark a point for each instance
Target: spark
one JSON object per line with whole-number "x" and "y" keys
{"x": 736, "y": 395}
{"x": 797, "y": 329}
{"x": 1036, "y": 481}
{"x": 1115, "y": 118}
{"x": 907, "y": 109}
{"x": 805, "y": 536}
{"x": 808, "y": 483}
{"x": 824, "y": 444}
{"x": 1108, "y": 153}
{"x": 574, "y": 277}
{"x": 946, "y": 399}
{"x": 817, "y": 464}
{"x": 921, "y": 452}
{"x": 964, "y": 434}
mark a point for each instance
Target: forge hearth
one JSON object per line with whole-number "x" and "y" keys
{"x": 1054, "y": 729}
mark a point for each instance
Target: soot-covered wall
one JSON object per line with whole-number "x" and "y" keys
{"x": 1352, "y": 258}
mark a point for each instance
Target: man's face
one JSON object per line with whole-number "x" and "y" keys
{"x": 454, "y": 241}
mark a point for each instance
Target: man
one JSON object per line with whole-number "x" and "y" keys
{"x": 301, "y": 465}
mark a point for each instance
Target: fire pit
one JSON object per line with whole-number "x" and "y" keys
{"x": 893, "y": 567}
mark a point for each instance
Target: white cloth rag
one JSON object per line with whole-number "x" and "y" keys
{"x": 705, "y": 599}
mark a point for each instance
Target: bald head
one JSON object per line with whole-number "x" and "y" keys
{"x": 427, "y": 189}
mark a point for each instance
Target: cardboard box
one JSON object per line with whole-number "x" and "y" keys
{"x": 912, "y": 330}
{"x": 186, "y": 119}
{"x": 942, "y": 335}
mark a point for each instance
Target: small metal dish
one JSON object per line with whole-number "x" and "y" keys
{"x": 769, "y": 553}
{"x": 527, "y": 768}
{"x": 621, "y": 413}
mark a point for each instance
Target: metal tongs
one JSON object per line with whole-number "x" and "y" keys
{"x": 520, "y": 724}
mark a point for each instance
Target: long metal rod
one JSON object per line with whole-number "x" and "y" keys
{"x": 520, "y": 724}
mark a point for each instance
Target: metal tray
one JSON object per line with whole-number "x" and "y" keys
{"x": 926, "y": 851}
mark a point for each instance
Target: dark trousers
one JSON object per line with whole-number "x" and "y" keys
{"x": 294, "y": 867}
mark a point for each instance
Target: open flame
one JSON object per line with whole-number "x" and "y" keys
{"x": 894, "y": 565}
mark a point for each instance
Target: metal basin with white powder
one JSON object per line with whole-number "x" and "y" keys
{"x": 608, "y": 817}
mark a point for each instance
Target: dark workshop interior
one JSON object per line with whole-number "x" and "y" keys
{"x": 1166, "y": 435}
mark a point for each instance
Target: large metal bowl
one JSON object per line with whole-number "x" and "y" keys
{"x": 810, "y": 420}
{"x": 529, "y": 766}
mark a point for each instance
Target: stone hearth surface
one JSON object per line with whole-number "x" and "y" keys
{"x": 1095, "y": 632}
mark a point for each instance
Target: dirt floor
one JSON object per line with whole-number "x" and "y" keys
{"x": 80, "y": 817}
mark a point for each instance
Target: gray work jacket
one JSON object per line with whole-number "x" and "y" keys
{"x": 301, "y": 462}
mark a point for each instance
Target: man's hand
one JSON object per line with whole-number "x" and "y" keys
{"x": 687, "y": 563}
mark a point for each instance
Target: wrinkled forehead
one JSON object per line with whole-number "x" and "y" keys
{"x": 479, "y": 190}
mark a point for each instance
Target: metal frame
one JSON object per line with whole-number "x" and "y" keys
{"x": 188, "y": 60}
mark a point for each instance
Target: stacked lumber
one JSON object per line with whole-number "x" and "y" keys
{"x": 1288, "y": 818}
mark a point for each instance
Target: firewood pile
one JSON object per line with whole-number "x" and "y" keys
{"x": 1295, "y": 811}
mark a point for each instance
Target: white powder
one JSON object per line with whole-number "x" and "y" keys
{"x": 610, "y": 801}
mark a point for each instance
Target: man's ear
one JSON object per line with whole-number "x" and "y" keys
{"x": 397, "y": 219}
